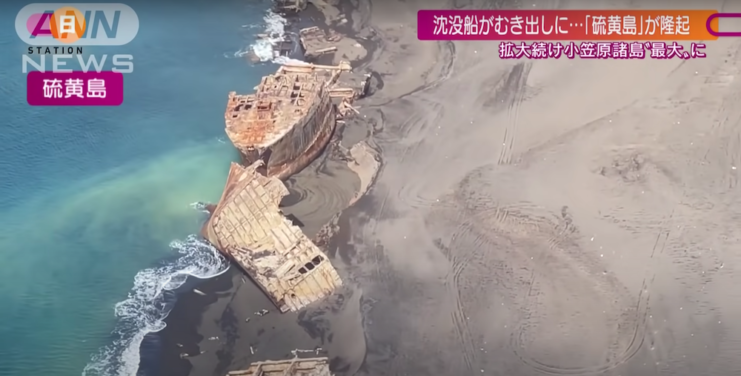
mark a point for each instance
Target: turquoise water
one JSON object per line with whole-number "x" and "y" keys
{"x": 96, "y": 202}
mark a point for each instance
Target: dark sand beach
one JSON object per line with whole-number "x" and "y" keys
{"x": 562, "y": 217}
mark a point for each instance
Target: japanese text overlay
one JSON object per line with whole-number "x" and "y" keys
{"x": 573, "y": 25}
{"x": 75, "y": 88}
{"x": 601, "y": 50}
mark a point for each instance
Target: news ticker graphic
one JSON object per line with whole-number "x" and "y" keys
{"x": 600, "y": 50}
{"x": 75, "y": 88}
{"x": 572, "y": 25}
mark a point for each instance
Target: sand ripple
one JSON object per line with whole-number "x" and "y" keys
{"x": 316, "y": 194}
{"x": 533, "y": 260}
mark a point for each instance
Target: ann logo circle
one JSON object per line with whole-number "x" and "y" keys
{"x": 67, "y": 24}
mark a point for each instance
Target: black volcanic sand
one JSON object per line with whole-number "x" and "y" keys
{"x": 217, "y": 330}
{"x": 317, "y": 194}
{"x": 526, "y": 220}
{"x": 214, "y": 328}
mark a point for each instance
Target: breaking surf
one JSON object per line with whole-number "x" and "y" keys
{"x": 150, "y": 301}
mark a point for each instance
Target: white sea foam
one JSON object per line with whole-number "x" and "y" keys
{"x": 288, "y": 60}
{"x": 145, "y": 308}
{"x": 241, "y": 52}
{"x": 264, "y": 48}
{"x": 200, "y": 206}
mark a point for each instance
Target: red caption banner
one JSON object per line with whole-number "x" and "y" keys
{"x": 74, "y": 88}
{"x": 547, "y": 25}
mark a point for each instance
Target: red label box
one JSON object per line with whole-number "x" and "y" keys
{"x": 75, "y": 88}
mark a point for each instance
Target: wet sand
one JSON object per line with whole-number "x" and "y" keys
{"x": 562, "y": 217}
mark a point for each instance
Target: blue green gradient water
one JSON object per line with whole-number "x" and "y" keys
{"x": 91, "y": 197}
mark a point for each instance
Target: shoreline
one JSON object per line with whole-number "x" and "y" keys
{"x": 184, "y": 346}
{"x": 513, "y": 226}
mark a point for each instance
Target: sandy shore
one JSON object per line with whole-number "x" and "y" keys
{"x": 560, "y": 217}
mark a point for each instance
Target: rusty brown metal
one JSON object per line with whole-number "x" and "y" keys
{"x": 249, "y": 228}
{"x": 288, "y": 121}
{"x": 278, "y": 131}
{"x": 316, "y": 42}
{"x": 289, "y": 367}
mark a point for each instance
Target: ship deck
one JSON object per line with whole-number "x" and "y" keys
{"x": 249, "y": 228}
{"x": 282, "y": 99}
{"x": 290, "y": 367}
{"x": 316, "y": 42}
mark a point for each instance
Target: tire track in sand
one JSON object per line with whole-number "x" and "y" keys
{"x": 511, "y": 249}
{"x": 512, "y": 93}
{"x": 447, "y": 60}
{"x": 458, "y": 316}
{"x": 417, "y": 128}
{"x": 726, "y": 131}
{"x": 640, "y": 335}
{"x": 464, "y": 279}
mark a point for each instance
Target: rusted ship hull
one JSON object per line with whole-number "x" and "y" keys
{"x": 278, "y": 131}
{"x": 300, "y": 146}
{"x": 289, "y": 120}
{"x": 248, "y": 227}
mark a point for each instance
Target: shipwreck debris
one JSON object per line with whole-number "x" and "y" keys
{"x": 290, "y": 367}
{"x": 292, "y": 6}
{"x": 291, "y": 118}
{"x": 316, "y": 42}
{"x": 249, "y": 228}
{"x": 262, "y": 312}
{"x": 316, "y": 350}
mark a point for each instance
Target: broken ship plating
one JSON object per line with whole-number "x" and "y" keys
{"x": 288, "y": 121}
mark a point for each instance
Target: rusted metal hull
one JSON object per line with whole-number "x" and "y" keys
{"x": 291, "y": 367}
{"x": 289, "y": 120}
{"x": 300, "y": 146}
{"x": 248, "y": 227}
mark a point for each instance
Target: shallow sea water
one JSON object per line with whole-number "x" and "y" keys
{"x": 96, "y": 202}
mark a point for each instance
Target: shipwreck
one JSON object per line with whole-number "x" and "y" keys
{"x": 249, "y": 228}
{"x": 289, "y": 367}
{"x": 291, "y": 118}
{"x": 290, "y": 6}
{"x": 316, "y": 42}
{"x": 278, "y": 131}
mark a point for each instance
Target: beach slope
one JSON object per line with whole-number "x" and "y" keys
{"x": 532, "y": 217}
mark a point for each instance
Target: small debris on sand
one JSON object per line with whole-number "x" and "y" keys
{"x": 262, "y": 312}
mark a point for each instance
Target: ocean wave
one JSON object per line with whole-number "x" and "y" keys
{"x": 145, "y": 309}
{"x": 282, "y": 60}
{"x": 200, "y": 206}
{"x": 240, "y": 52}
{"x": 275, "y": 32}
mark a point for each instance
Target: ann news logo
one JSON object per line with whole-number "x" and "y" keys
{"x": 77, "y": 24}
